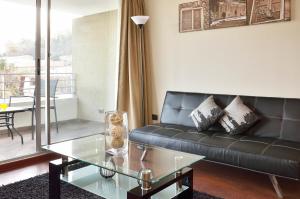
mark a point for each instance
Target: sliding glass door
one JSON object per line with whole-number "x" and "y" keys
{"x": 18, "y": 33}
{"x": 83, "y": 66}
{"x": 58, "y": 61}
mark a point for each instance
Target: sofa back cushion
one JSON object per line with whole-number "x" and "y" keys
{"x": 279, "y": 117}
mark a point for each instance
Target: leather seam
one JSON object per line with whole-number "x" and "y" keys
{"x": 198, "y": 133}
{"x": 267, "y": 147}
{"x": 282, "y": 121}
{"x": 286, "y": 147}
{"x": 254, "y": 141}
{"x": 214, "y": 135}
{"x": 227, "y": 138}
{"x": 155, "y": 134}
{"x": 153, "y": 125}
{"x": 202, "y": 138}
{"x": 168, "y": 128}
{"x": 155, "y": 130}
{"x": 228, "y": 147}
{"x": 291, "y": 119}
{"x": 184, "y": 140}
{"x": 176, "y": 134}
{"x": 283, "y": 118}
{"x": 152, "y": 132}
{"x": 255, "y": 102}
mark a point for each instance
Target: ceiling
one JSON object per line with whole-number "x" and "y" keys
{"x": 77, "y": 7}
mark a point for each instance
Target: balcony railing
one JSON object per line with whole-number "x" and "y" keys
{"x": 20, "y": 84}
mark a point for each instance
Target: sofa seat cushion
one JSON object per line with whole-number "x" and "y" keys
{"x": 261, "y": 154}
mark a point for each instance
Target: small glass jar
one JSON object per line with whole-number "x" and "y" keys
{"x": 116, "y": 132}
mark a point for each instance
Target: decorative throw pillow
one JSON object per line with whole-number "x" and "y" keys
{"x": 206, "y": 114}
{"x": 238, "y": 117}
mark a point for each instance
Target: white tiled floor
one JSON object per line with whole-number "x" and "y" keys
{"x": 67, "y": 130}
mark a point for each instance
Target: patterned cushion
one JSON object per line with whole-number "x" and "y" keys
{"x": 206, "y": 114}
{"x": 238, "y": 117}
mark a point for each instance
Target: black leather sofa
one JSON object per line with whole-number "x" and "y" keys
{"x": 272, "y": 146}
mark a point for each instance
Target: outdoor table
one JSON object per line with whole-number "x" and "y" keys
{"x": 7, "y": 119}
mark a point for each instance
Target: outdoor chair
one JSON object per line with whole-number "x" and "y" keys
{"x": 53, "y": 86}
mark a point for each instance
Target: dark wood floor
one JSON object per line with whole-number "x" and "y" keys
{"x": 214, "y": 179}
{"x": 67, "y": 130}
{"x": 233, "y": 183}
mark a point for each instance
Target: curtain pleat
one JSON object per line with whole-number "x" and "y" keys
{"x": 129, "y": 85}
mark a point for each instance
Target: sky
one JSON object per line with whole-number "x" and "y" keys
{"x": 17, "y": 22}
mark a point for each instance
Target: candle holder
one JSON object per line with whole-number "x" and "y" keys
{"x": 145, "y": 176}
{"x": 110, "y": 171}
{"x": 178, "y": 165}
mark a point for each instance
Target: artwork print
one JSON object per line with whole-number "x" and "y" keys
{"x": 227, "y": 13}
{"x": 212, "y": 14}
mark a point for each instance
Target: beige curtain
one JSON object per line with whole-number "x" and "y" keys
{"x": 129, "y": 88}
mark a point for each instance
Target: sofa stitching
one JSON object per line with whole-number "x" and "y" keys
{"x": 276, "y": 145}
{"x": 156, "y": 129}
{"x": 153, "y": 125}
{"x": 228, "y": 147}
{"x": 176, "y": 134}
{"x": 196, "y": 132}
{"x": 230, "y": 138}
{"x": 152, "y": 132}
{"x": 264, "y": 150}
{"x": 282, "y": 119}
{"x": 267, "y": 147}
{"x": 170, "y": 128}
{"x": 255, "y": 102}
{"x": 202, "y": 138}
{"x": 254, "y": 141}
{"x": 291, "y": 119}
{"x": 177, "y": 138}
{"x": 214, "y": 134}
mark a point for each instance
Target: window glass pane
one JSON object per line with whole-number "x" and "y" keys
{"x": 17, "y": 78}
{"x": 84, "y": 40}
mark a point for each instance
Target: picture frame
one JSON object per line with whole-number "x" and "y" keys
{"x": 213, "y": 14}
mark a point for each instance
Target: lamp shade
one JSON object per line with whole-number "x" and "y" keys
{"x": 140, "y": 20}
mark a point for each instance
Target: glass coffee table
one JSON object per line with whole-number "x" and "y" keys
{"x": 144, "y": 172}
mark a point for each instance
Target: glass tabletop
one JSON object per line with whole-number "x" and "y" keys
{"x": 14, "y": 109}
{"x": 162, "y": 162}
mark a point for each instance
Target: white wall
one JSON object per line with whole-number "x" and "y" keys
{"x": 94, "y": 63}
{"x": 260, "y": 60}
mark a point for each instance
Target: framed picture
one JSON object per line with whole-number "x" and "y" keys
{"x": 211, "y": 14}
{"x": 227, "y": 13}
{"x": 267, "y": 11}
{"x": 194, "y": 16}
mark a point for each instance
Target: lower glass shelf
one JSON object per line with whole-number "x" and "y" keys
{"x": 89, "y": 179}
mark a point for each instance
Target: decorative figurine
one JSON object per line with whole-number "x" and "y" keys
{"x": 116, "y": 132}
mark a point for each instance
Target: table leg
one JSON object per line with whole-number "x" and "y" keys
{"x": 179, "y": 182}
{"x": 65, "y": 168}
{"x": 57, "y": 167}
{"x": 10, "y": 131}
{"x": 54, "y": 180}
{"x": 189, "y": 192}
{"x": 187, "y": 173}
{"x": 13, "y": 127}
{"x": 6, "y": 122}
